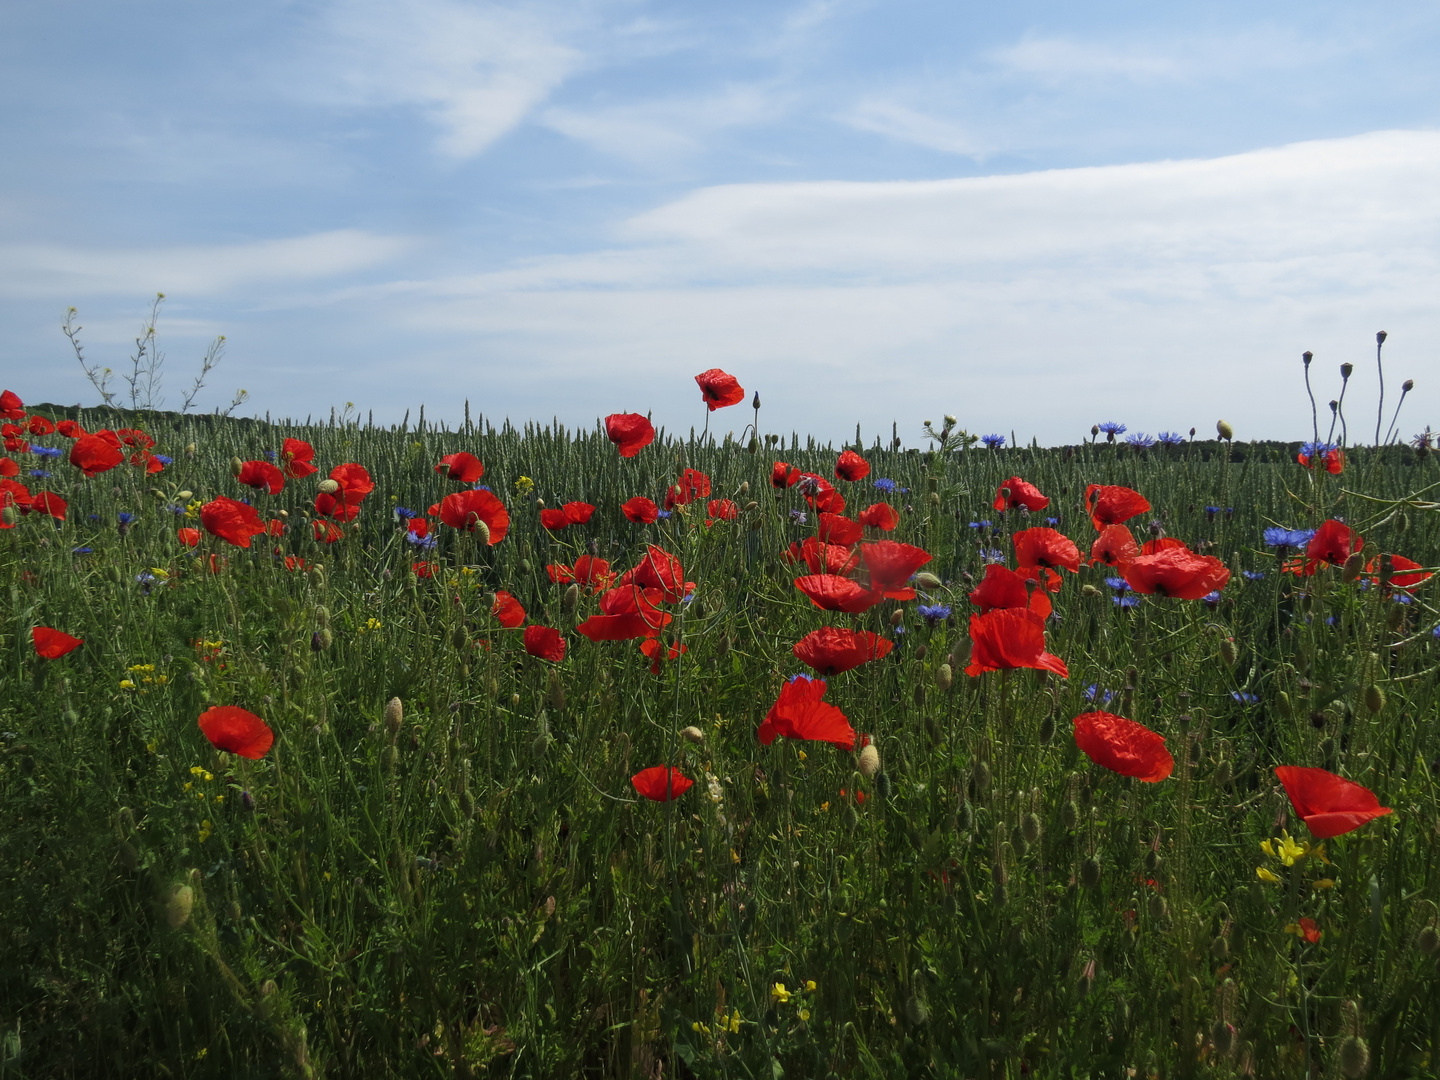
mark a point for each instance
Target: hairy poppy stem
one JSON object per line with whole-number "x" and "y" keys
{"x": 1379, "y": 370}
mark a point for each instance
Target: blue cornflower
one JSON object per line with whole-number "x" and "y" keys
{"x": 1125, "y": 601}
{"x": 898, "y": 630}
{"x": 40, "y": 474}
{"x": 1212, "y": 597}
{"x": 164, "y": 459}
{"x": 46, "y": 451}
{"x": 1252, "y": 575}
{"x": 402, "y": 512}
{"x": 1315, "y": 449}
{"x": 425, "y": 543}
{"x": 1052, "y": 522}
{"x": 1403, "y": 598}
{"x": 933, "y": 613}
{"x": 885, "y": 484}
{"x": 1435, "y": 633}
{"x": 1093, "y": 691}
{"x": 797, "y": 517}
{"x": 126, "y": 517}
{"x": 993, "y": 555}
{"x": 1244, "y": 698}
{"x": 666, "y": 513}
{"x": 1277, "y": 537}
{"x": 482, "y": 487}
{"x": 1119, "y": 584}
{"x": 1211, "y": 511}
{"x": 993, "y": 442}
{"x": 272, "y": 455}
{"x": 82, "y": 551}
{"x": 1110, "y": 427}
{"x": 1170, "y": 438}
{"x": 979, "y": 524}
{"x": 175, "y": 508}
{"x": 146, "y": 579}
{"x": 1140, "y": 440}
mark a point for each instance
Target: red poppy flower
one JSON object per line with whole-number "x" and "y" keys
{"x": 93, "y": 454}
{"x": 463, "y": 468}
{"x": 53, "y": 644}
{"x": 151, "y": 462}
{"x": 626, "y": 612}
{"x": 237, "y": 730}
{"x": 851, "y": 466}
{"x": 231, "y": 521}
{"x": 1332, "y": 543}
{"x": 136, "y": 438}
{"x": 721, "y": 510}
{"x": 9, "y": 467}
{"x": 641, "y": 510}
{"x": 1110, "y": 505}
{"x": 1047, "y": 549}
{"x": 425, "y": 569}
{"x": 354, "y": 480}
{"x": 327, "y": 532}
{"x": 830, "y": 592}
{"x": 692, "y": 485}
{"x": 1405, "y": 573}
{"x": 799, "y": 713}
{"x": 592, "y": 571}
{"x": 295, "y": 562}
{"x": 47, "y": 502}
{"x": 835, "y": 529}
{"x": 11, "y": 407}
{"x": 1114, "y": 547}
{"x": 1162, "y": 543}
{"x": 1334, "y": 461}
{"x": 40, "y": 425}
{"x": 783, "y": 476}
{"x": 1010, "y": 638}
{"x": 188, "y": 537}
{"x": 660, "y": 570}
{"x": 652, "y": 649}
{"x": 1308, "y": 928}
{"x": 892, "y": 565}
{"x": 880, "y": 516}
{"x": 1123, "y": 746}
{"x": 545, "y": 642}
{"x": 298, "y": 457}
{"x": 337, "y": 506}
{"x": 1021, "y": 494}
{"x": 1177, "y": 572}
{"x": 14, "y": 493}
{"x": 1329, "y": 805}
{"x": 824, "y": 558}
{"x": 630, "y": 432}
{"x": 261, "y": 475}
{"x": 825, "y": 498}
{"x": 70, "y": 429}
{"x": 417, "y": 527}
{"x": 466, "y": 509}
{"x": 831, "y": 650}
{"x": 660, "y": 783}
{"x": 719, "y": 389}
{"x": 1002, "y": 588}
{"x": 507, "y": 610}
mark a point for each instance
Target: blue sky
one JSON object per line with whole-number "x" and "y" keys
{"x": 1034, "y": 216}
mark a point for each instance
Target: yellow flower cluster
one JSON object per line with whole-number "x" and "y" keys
{"x": 142, "y": 673}
{"x": 1292, "y": 852}
{"x": 192, "y": 508}
{"x": 524, "y": 486}
{"x": 371, "y": 625}
{"x": 725, "y": 1024}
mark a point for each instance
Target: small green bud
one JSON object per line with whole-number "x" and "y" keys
{"x": 1030, "y": 828}
{"x": 926, "y": 580}
{"x": 1282, "y": 703}
{"x": 1090, "y": 872}
{"x": 178, "y": 902}
{"x": 1353, "y": 565}
{"x": 1224, "y": 430}
{"x": 1228, "y": 652}
{"x": 1374, "y": 698}
{"x": 1070, "y": 814}
{"x": 945, "y": 677}
{"x": 1047, "y": 729}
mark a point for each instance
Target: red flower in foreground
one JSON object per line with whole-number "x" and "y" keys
{"x": 630, "y": 432}
{"x": 298, "y": 456}
{"x": 835, "y": 529}
{"x": 1332, "y": 543}
{"x": 188, "y": 537}
{"x": 823, "y": 558}
{"x": 261, "y": 475}
{"x": 851, "y": 466}
{"x": 831, "y": 650}
{"x": 572, "y": 513}
{"x": 626, "y": 612}
{"x": 1404, "y": 573}
{"x": 463, "y": 468}
{"x": 660, "y": 570}
{"x": 47, "y": 502}
{"x": 1002, "y": 588}
{"x": 1114, "y": 547}
{"x": 1110, "y": 505}
{"x": 1046, "y": 549}
{"x": 40, "y": 425}
{"x": 1162, "y": 543}
{"x": 588, "y": 570}
{"x": 1123, "y": 746}
{"x": 1329, "y": 805}
{"x": 53, "y": 644}
{"x": 1021, "y": 494}
{"x": 641, "y": 510}
{"x": 11, "y": 407}
{"x": 1334, "y": 461}
{"x": 237, "y": 730}
{"x": 1010, "y": 638}
{"x": 719, "y": 389}
{"x": 70, "y": 429}
{"x": 880, "y": 516}
{"x": 9, "y": 467}
{"x": 545, "y": 642}
{"x": 231, "y": 521}
{"x": 784, "y": 476}
{"x": 1177, "y": 572}
{"x": 660, "y": 783}
{"x": 652, "y": 649}
{"x": 467, "y": 510}
{"x": 891, "y": 565}
{"x": 507, "y": 610}
{"x": 93, "y": 454}
{"x": 830, "y": 592}
{"x": 799, "y": 713}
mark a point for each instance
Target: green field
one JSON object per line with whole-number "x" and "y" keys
{"x": 470, "y": 885}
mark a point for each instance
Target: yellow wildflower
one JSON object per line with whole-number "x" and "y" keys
{"x": 160, "y": 572}
{"x": 779, "y": 994}
{"x": 1265, "y": 875}
{"x": 192, "y": 509}
{"x": 1323, "y": 883}
{"x": 203, "y": 773}
{"x": 127, "y": 684}
{"x": 524, "y": 486}
{"x": 1289, "y": 851}
{"x": 810, "y": 985}
{"x": 205, "y": 831}
{"x": 735, "y": 1022}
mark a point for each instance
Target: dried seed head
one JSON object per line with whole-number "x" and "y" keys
{"x": 869, "y": 762}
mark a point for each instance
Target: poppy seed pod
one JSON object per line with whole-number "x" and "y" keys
{"x": 1354, "y": 1057}
{"x": 1090, "y": 872}
{"x": 328, "y": 486}
{"x": 1346, "y": 370}
{"x": 869, "y": 762}
{"x": 1428, "y": 941}
{"x": 1354, "y": 563}
{"x": 692, "y": 734}
{"x": 945, "y": 677}
{"x": 1374, "y": 698}
{"x": 1224, "y": 430}
{"x": 177, "y": 904}
{"x": 394, "y": 715}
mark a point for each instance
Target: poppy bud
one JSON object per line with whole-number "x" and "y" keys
{"x": 9, "y": 515}
{"x": 1159, "y": 910}
{"x": 750, "y": 507}
{"x": 1407, "y": 385}
{"x": 482, "y": 532}
{"x": 571, "y": 598}
{"x": 1220, "y": 947}
{"x": 1282, "y": 703}
{"x": 883, "y": 787}
{"x": 1222, "y": 1037}
{"x": 1354, "y": 1057}
{"x": 556, "y": 691}
{"x": 1030, "y": 828}
{"x": 917, "y": 1011}
{"x": 322, "y": 616}
{"x": 317, "y": 576}
{"x": 693, "y": 734}
{"x": 869, "y": 762}
{"x": 1374, "y": 698}
{"x": 1070, "y": 814}
{"x": 1089, "y": 590}
{"x": 236, "y": 466}
{"x": 1353, "y": 565}
{"x": 897, "y": 617}
{"x": 1224, "y": 772}
{"x": 1346, "y": 370}
{"x": 1224, "y": 430}
{"x": 965, "y": 818}
{"x": 745, "y": 488}
{"x": 1402, "y": 522}
{"x": 394, "y": 715}
{"x": 755, "y": 401}
{"x": 1095, "y": 430}
{"x": 945, "y": 677}
{"x": 156, "y": 493}
{"x": 1090, "y": 872}
{"x": 178, "y": 902}
{"x": 1236, "y": 574}
{"x": 919, "y": 695}
{"x": 1228, "y": 652}
{"x": 926, "y": 580}
{"x": 1047, "y": 729}
{"x": 329, "y": 487}
{"x": 1428, "y": 941}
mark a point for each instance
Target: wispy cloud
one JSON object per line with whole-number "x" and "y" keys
{"x": 896, "y": 121}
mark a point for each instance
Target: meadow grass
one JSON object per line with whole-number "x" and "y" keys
{"x": 474, "y": 888}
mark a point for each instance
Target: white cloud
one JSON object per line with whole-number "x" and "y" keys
{"x": 900, "y": 122}
{"x": 36, "y": 270}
